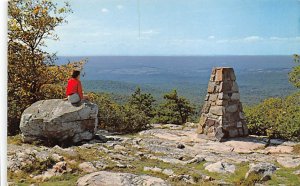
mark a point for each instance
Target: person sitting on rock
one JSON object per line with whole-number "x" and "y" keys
{"x": 74, "y": 89}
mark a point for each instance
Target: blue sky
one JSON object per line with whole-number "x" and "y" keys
{"x": 180, "y": 27}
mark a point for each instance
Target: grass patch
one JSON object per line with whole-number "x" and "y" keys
{"x": 286, "y": 176}
{"x": 18, "y": 177}
{"x": 15, "y": 140}
{"x": 296, "y": 149}
{"x": 38, "y": 166}
{"x": 238, "y": 178}
{"x": 67, "y": 179}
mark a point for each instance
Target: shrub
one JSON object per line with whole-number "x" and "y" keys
{"x": 142, "y": 102}
{"x": 294, "y": 75}
{"x": 119, "y": 118}
{"x": 276, "y": 117}
{"x": 174, "y": 109}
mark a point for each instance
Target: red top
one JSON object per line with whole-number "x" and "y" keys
{"x": 74, "y": 86}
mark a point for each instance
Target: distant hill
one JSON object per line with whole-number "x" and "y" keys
{"x": 258, "y": 77}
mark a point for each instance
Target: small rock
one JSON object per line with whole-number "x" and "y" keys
{"x": 221, "y": 167}
{"x": 119, "y": 147}
{"x": 168, "y": 172}
{"x": 196, "y": 159}
{"x": 139, "y": 154}
{"x": 289, "y": 162}
{"x": 297, "y": 172}
{"x": 87, "y": 167}
{"x": 180, "y": 146}
{"x": 153, "y": 169}
{"x": 265, "y": 170}
{"x": 186, "y": 178}
{"x": 119, "y": 165}
{"x": 60, "y": 167}
{"x": 100, "y": 165}
{"x": 57, "y": 157}
{"x": 208, "y": 178}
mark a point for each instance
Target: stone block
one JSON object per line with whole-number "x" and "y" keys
{"x": 235, "y": 87}
{"x": 217, "y": 110}
{"x": 206, "y": 97}
{"x": 246, "y": 131}
{"x": 233, "y": 132}
{"x": 225, "y": 86}
{"x": 221, "y": 102}
{"x": 232, "y": 108}
{"x": 205, "y": 108}
{"x": 203, "y": 119}
{"x": 223, "y": 96}
{"x": 239, "y": 124}
{"x": 241, "y": 131}
{"x": 241, "y": 115}
{"x": 219, "y": 134}
{"x": 211, "y": 87}
{"x": 213, "y": 97}
{"x": 219, "y": 75}
{"x": 210, "y": 122}
{"x": 232, "y": 76}
{"x": 227, "y": 74}
{"x": 235, "y": 96}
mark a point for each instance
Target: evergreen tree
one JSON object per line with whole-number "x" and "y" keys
{"x": 142, "y": 102}
{"x": 294, "y": 75}
{"x": 174, "y": 109}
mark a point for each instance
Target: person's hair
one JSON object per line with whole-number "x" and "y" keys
{"x": 75, "y": 74}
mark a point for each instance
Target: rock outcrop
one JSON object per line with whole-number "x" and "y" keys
{"x": 155, "y": 153}
{"x": 264, "y": 170}
{"x": 222, "y": 113}
{"x": 118, "y": 179}
{"x": 58, "y": 121}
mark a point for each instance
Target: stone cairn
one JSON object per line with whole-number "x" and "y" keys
{"x": 222, "y": 113}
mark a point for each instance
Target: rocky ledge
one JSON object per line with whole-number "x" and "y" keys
{"x": 163, "y": 155}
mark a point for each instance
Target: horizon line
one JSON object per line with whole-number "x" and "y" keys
{"x": 176, "y": 55}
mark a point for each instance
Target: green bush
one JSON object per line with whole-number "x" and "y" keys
{"x": 119, "y": 118}
{"x": 175, "y": 109}
{"x": 276, "y": 117}
{"x": 142, "y": 102}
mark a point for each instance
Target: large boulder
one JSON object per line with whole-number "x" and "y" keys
{"x": 59, "y": 122}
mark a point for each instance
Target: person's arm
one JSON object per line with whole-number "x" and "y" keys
{"x": 80, "y": 90}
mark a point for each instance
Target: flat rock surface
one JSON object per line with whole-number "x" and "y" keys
{"x": 119, "y": 179}
{"x": 163, "y": 155}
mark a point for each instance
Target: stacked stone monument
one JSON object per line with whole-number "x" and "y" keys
{"x": 222, "y": 113}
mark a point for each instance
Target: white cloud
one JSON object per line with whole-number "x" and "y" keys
{"x": 120, "y": 7}
{"x": 252, "y": 38}
{"x": 297, "y": 38}
{"x": 104, "y": 10}
{"x": 211, "y": 37}
{"x": 150, "y": 32}
{"x": 248, "y": 39}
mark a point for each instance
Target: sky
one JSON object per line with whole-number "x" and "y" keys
{"x": 179, "y": 27}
